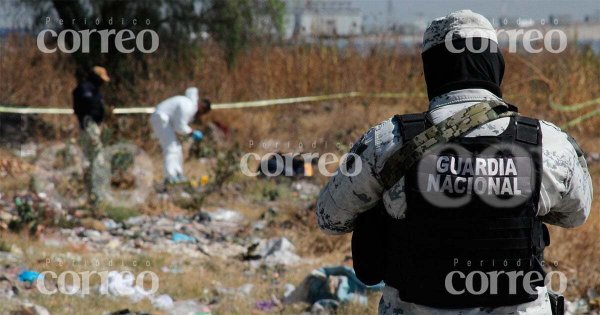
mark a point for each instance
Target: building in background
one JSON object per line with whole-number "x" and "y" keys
{"x": 310, "y": 18}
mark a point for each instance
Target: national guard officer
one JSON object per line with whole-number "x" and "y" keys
{"x": 465, "y": 188}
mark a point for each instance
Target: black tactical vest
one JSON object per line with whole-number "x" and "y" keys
{"x": 470, "y": 236}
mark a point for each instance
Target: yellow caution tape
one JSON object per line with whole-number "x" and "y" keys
{"x": 294, "y": 100}
{"x": 260, "y": 103}
{"x": 33, "y": 110}
{"x": 580, "y": 119}
{"x": 574, "y": 107}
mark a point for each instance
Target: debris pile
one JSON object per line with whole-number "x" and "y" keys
{"x": 216, "y": 234}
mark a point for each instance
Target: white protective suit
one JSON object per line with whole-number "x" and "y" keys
{"x": 170, "y": 117}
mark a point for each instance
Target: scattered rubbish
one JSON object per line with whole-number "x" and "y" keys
{"x": 172, "y": 234}
{"x": 126, "y": 312}
{"x": 180, "y": 237}
{"x": 306, "y": 190}
{"x": 33, "y": 309}
{"x": 244, "y": 290}
{"x": 272, "y": 252}
{"x": 7, "y": 289}
{"x": 288, "y": 288}
{"x": 26, "y": 150}
{"x": 122, "y": 284}
{"x": 137, "y": 220}
{"x": 162, "y": 302}
{"x": 110, "y": 224}
{"x": 202, "y": 216}
{"x": 267, "y": 218}
{"x": 92, "y": 234}
{"x": 265, "y": 305}
{"x": 222, "y": 249}
{"x": 188, "y": 307}
{"x": 259, "y": 225}
{"x": 326, "y": 287}
{"x": 226, "y": 215}
{"x": 324, "y": 306}
{"x": 172, "y": 269}
{"x": 52, "y": 242}
{"x": 28, "y": 276}
{"x": 577, "y": 307}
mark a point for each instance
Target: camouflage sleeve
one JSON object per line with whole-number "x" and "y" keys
{"x": 351, "y": 192}
{"x": 566, "y": 192}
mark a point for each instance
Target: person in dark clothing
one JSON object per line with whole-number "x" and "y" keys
{"x": 89, "y": 109}
{"x": 87, "y": 100}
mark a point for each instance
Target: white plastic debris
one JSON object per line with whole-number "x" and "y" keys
{"x": 162, "y": 302}
{"x": 122, "y": 284}
{"x": 188, "y": 307}
{"x": 277, "y": 251}
{"x": 226, "y": 215}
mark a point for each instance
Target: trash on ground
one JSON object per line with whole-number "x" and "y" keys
{"x": 28, "y": 276}
{"x": 188, "y": 307}
{"x": 326, "y": 287}
{"x": 272, "y": 252}
{"x": 180, "y": 237}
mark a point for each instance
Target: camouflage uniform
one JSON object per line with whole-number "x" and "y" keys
{"x": 91, "y": 144}
{"x": 565, "y": 194}
{"x": 89, "y": 109}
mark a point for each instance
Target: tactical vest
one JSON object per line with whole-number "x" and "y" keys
{"x": 470, "y": 236}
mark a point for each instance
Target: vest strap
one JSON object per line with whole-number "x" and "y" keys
{"x": 454, "y": 126}
{"x": 412, "y": 125}
{"x": 527, "y": 130}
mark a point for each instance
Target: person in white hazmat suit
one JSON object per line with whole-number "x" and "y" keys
{"x": 171, "y": 117}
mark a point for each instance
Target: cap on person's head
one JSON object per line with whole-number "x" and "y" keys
{"x": 101, "y": 73}
{"x": 458, "y": 25}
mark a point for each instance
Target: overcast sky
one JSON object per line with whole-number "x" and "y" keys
{"x": 403, "y": 11}
{"x": 422, "y": 11}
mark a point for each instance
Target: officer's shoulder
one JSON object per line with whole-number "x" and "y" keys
{"x": 551, "y": 131}
{"x": 553, "y": 137}
{"x": 386, "y": 137}
{"x": 370, "y": 137}
{"x": 383, "y": 133}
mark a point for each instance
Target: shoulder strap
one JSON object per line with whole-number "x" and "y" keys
{"x": 411, "y": 125}
{"x": 527, "y": 130}
{"x": 454, "y": 126}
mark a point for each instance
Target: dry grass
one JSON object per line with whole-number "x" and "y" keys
{"x": 272, "y": 72}
{"x": 31, "y": 78}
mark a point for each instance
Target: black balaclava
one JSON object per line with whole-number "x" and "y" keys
{"x": 447, "y": 71}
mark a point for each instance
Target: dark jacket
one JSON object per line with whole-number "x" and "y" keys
{"x": 87, "y": 101}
